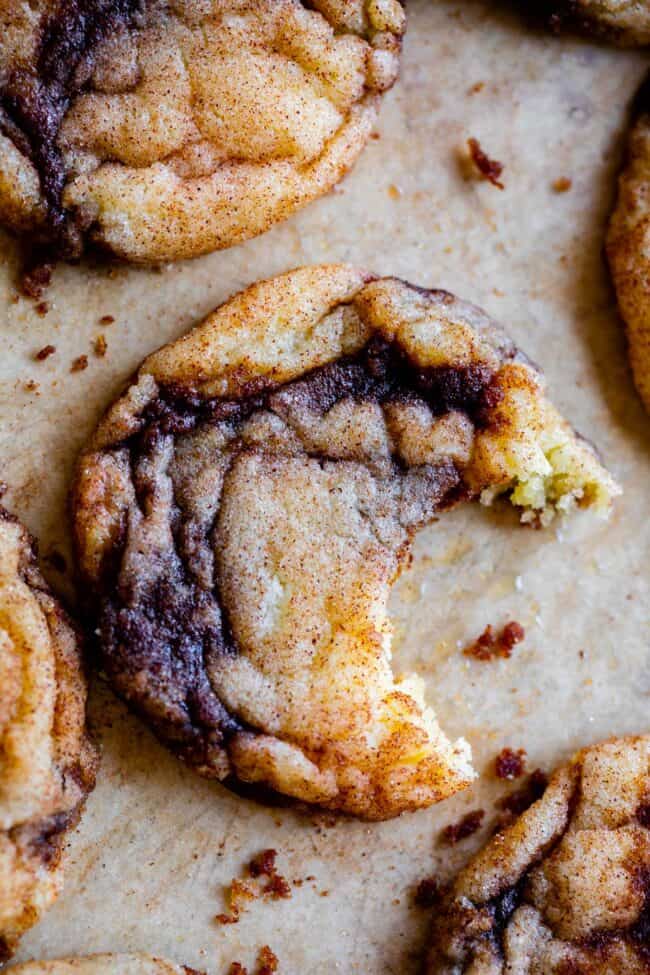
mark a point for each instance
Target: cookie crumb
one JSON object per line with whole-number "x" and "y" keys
{"x": 489, "y": 169}
{"x": 106, "y": 320}
{"x": 427, "y": 892}
{"x": 563, "y": 184}
{"x": 475, "y": 88}
{"x": 31, "y": 386}
{"x": 510, "y": 764}
{"x": 42, "y": 308}
{"x": 394, "y": 192}
{"x": 267, "y": 964}
{"x": 79, "y": 364}
{"x": 100, "y": 346}
{"x": 490, "y": 645}
{"x": 467, "y": 826}
{"x": 36, "y": 279}
{"x": 263, "y": 864}
{"x": 267, "y": 961}
{"x": 45, "y": 353}
{"x": 241, "y": 891}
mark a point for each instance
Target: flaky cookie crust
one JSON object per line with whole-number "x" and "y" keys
{"x": 163, "y": 130}
{"x": 623, "y": 22}
{"x": 47, "y": 763}
{"x": 565, "y": 890}
{"x": 104, "y": 964}
{"x": 245, "y": 506}
{"x": 628, "y": 244}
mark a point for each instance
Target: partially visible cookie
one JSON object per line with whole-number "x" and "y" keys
{"x": 47, "y": 764}
{"x": 565, "y": 890}
{"x": 628, "y": 244}
{"x": 165, "y": 130}
{"x": 624, "y": 22}
{"x": 245, "y": 506}
{"x": 136, "y": 964}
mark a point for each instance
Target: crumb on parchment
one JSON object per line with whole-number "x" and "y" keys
{"x": 490, "y": 644}
{"x": 79, "y": 364}
{"x": 274, "y": 886}
{"x": 510, "y": 763}
{"x": 489, "y": 169}
{"x": 267, "y": 964}
{"x": 467, "y": 826}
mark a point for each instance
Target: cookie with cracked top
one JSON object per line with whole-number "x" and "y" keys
{"x": 163, "y": 130}
{"x": 47, "y": 763}
{"x": 623, "y": 22}
{"x": 565, "y": 890}
{"x": 104, "y": 964}
{"x": 244, "y": 507}
{"x": 628, "y": 244}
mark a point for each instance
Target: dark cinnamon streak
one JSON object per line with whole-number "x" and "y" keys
{"x": 160, "y": 638}
{"x": 33, "y": 102}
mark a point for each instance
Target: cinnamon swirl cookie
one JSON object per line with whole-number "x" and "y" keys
{"x": 163, "y": 129}
{"x": 566, "y": 889}
{"x": 244, "y": 507}
{"x": 625, "y": 22}
{"x": 628, "y": 245}
{"x": 47, "y": 764}
{"x": 138, "y": 964}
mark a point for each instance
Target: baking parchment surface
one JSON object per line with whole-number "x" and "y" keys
{"x": 157, "y": 847}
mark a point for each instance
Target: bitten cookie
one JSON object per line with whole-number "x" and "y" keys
{"x": 565, "y": 890}
{"x": 47, "y": 764}
{"x": 137, "y": 964}
{"x": 624, "y": 22}
{"x": 244, "y": 507}
{"x": 165, "y": 130}
{"x": 628, "y": 244}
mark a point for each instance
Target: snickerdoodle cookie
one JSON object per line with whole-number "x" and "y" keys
{"x": 565, "y": 890}
{"x": 244, "y": 507}
{"x": 163, "y": 129}
{"x": 47, "y": 764}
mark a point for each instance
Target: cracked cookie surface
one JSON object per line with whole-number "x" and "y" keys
{"x": 566, "y": 889}
{"x": 104, "y": 964}
{"x": 245, "y": 506}
{"x": 628, "y": 245}
{"x": 47, "y": 764}
{"x": 162, "y": 130}
{"x": 624, "y": 22}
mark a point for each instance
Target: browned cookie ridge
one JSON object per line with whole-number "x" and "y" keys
{"x": 628, "y": 244}
{"x": 47, "y": 764}
{"x": 245, "y": 506}
{"x": 162, "y": 129}
{"x": 565, "y": 890}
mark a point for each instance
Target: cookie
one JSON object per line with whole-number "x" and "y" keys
{"x": 136, "y": 964}
{"x": 624, "y": 22}
{"x": 162, "y": 131}
{"x": 565, "y": 890}
{"x": 628, "y": 245}
{"x": 47, "y": 764}
{"x": 244, "y": 507}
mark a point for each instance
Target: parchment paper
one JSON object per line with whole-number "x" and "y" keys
{"x": 147, "y": 867}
